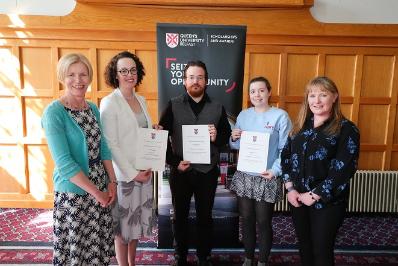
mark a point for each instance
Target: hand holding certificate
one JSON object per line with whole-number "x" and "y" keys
{"x": 253, "y": 152}
{"x": 151, "y": 150}
{"x": 196, "y": 143}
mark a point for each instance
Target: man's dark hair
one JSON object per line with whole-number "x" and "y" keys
{"x": 197, "y": 63}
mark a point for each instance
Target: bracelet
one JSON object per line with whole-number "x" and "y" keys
{"x": 291, "y": 188}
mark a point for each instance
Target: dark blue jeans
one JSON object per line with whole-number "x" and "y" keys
{"x": 316, "y": 231}
{"x": 203, "y": 187}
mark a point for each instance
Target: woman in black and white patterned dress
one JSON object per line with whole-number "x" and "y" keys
{"x": 84, "y": 179}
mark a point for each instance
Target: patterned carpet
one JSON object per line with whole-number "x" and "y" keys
{"x": 25, "y": 238}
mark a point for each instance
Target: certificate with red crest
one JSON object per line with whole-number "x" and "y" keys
{"x": 151, "y": 149}
{"x": 196, "y": 143}
{"x": 253, "y": 152}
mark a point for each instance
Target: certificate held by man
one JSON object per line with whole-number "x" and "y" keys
{"x": 196, "y": 143}
{"x": 253, "y": 152}
{"x": 151, "y": 150}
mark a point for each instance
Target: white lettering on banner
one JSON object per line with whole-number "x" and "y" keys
{"x": 190, "y": 39}
{"x": 217, "y": 82}
{"x": 176, "y": 81}
{"x": 188, "y": 35}
{"x": 176, "y": 74}
{"x": 177, "y": 66}
{"x": 223, "y": 38}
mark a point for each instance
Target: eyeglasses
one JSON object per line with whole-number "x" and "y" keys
{"x": 125, "y": 71}
{"x": 197, "y": 78}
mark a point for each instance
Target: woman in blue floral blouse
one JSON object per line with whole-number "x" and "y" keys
{"x": 318, "y": 160}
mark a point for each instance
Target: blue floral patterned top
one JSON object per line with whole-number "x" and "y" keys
{"x": 320, "y": 163}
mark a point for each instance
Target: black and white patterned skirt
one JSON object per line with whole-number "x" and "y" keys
{"x": 257, "y": 187}
{"x": 83, "y": 233}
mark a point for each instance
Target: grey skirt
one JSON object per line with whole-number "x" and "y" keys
{"x": 133, "y": 213}
{"x": 257, "y": 187}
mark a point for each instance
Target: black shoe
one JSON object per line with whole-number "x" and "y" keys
{"x": 179, "y": 261}
{"x": 205, "y": 262}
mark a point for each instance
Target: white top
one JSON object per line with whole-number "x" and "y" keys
{"x": 120, "y": 130}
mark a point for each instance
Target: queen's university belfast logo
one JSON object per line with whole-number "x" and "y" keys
{"x": 172, "y": 39}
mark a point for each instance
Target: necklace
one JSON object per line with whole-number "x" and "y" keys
{"x": 74, "y": 106}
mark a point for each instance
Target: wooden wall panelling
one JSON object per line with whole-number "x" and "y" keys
{"x": 246, "y": 80}
{"x": 92, "y": 57}
{"x": 104, "y": 55}
{"x": 394, "y": 156}
{"x": 283, "y": 81}
{"x": 372, "y": 123}
{"x": 321, "y": 64}
{"x": 357, "y": 87}
{"x": 347, "y": 67}
{"x": 300, "y": 69}
{"x": 149, "y": 85}
{"x": 269, "y": 66}
{"x": 37, "y": 77}
{"x": 12, "y": 153}
{"x": 341, "y": 69}
{"x": 392, "y": 135}
{"x": 361, "y": 62}
{"x": 391, "y": 113}
{"x": 375, "y": 106}
{"x": 25, "y": 163}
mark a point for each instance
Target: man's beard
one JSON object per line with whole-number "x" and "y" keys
{"x": 196, "y": 93}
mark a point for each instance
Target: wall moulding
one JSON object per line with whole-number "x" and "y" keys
{"x": 102, "y": 17}
{"x": 150, "y": 37}
{"x": 209, "y": 3}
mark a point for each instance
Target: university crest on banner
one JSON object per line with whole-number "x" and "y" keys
{"x": 172, "y": 40}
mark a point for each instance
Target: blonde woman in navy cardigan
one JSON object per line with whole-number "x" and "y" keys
{"x": 84, "y": 179}
{"x": 258, "y": 192}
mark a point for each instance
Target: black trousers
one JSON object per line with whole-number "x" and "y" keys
{"x": 203, "y": 187}
{"x": 316, "y": 231}
{"x": 252, "y": 211}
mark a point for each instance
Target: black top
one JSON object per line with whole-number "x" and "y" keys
{"x": 167, "y": 118}
{"x": 323, "y": 164}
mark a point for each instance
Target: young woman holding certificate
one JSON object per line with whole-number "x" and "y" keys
{"x": 258, "y": 192}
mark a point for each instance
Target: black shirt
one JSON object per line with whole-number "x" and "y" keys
{"x": 166, "y": 121}
{"x": 324, "y": 164}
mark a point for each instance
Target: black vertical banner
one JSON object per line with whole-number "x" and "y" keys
{"x": 222, "y": 49}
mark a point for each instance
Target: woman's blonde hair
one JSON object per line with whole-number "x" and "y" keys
{"x": 305, "y": 113}
{"x": 69, "y": 59}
